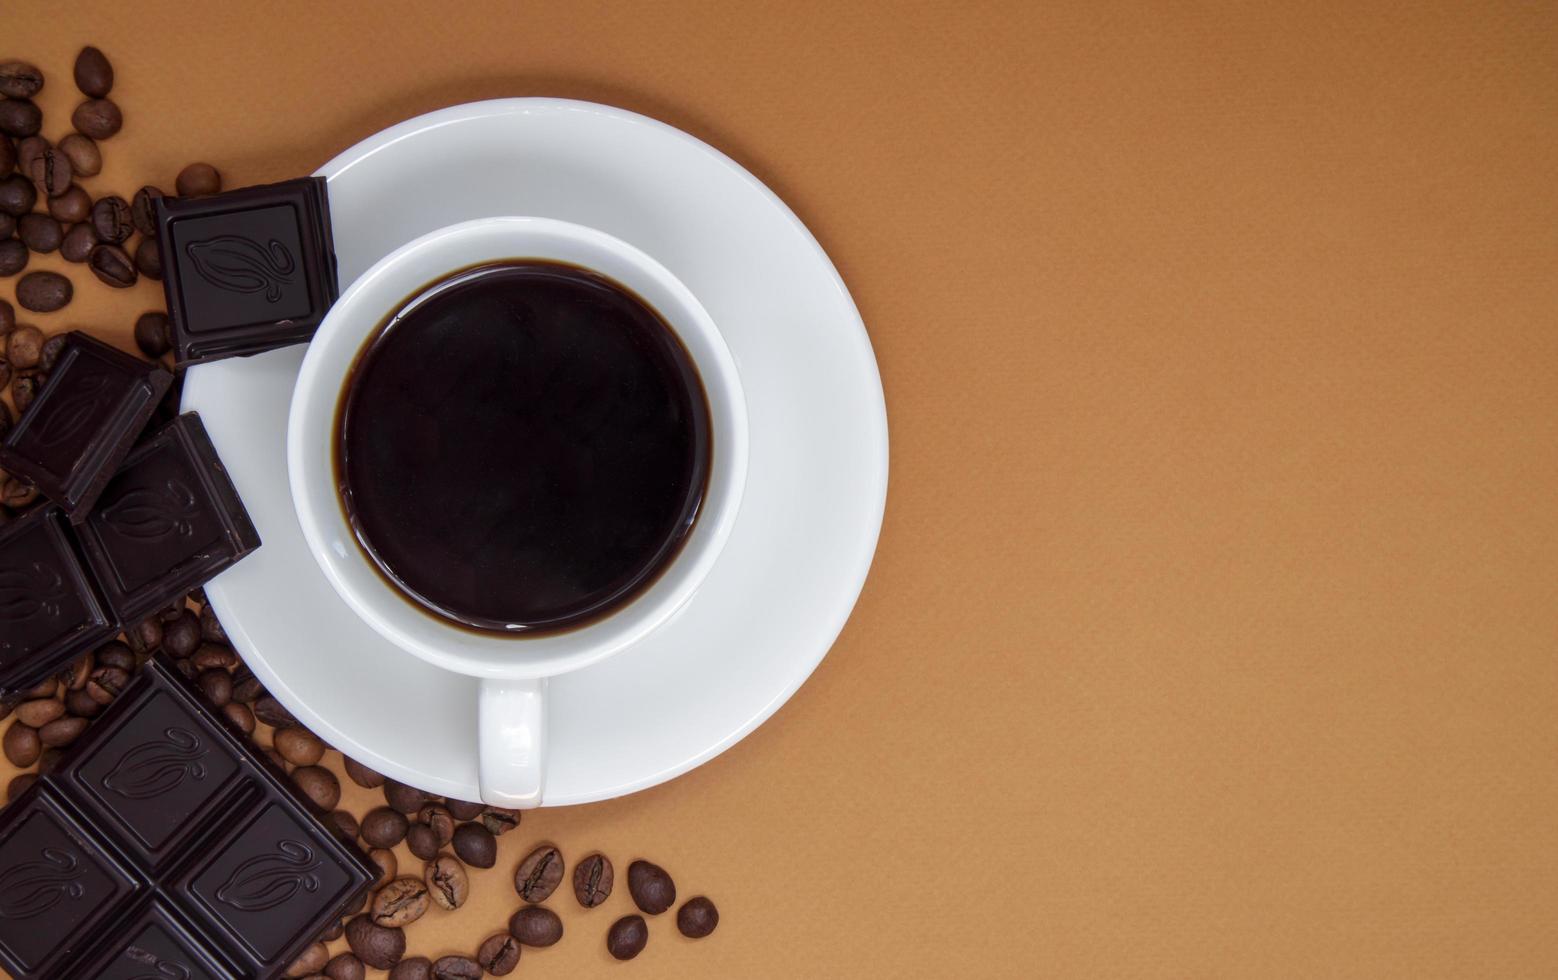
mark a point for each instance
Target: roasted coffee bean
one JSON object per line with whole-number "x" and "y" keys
{"x": 274, "y": 757}
{"x": 456, "y": 968}
{"x": 319, "y": 785}
{"x": 5, "y": 414}
{"x": 534, "y": 925}
{"x": 145, "y": 636}
{"x": 697, "y": 918}
{"x": 181, "y": 637}
{"x": 7, "y": 154}
{"x": 407, "y": 799}
{"x": 210, "y": 627}
{"x": 82, "y": 704}
{"x": 61, "y": 732}
{"x": 151, "y": 336}
{"x": 384, "y": 827}
{"x": 217, "y": 685}
{"x": 97, "y": 118}
{"x": 475, "y": 845}
{"x": 461, "y": 810}
{"x": 148, "y": 259}
{"x": 539, "y": 874}
{"x": 209, "y": 655}
{"x": 299, "y": 746}
{"x": 362, "y": 775}
{"x": 50, "y": 757}
{"x": 498, "y": 954}
{"x": 388, "y": 864}
{"x": 107, "y": 682}
{"x": 51, "y": 352}
{"x": 78, "y": 243}
{"x": 438, "y": 819}
{"x": 198, "y": 180}
{"x": 399, "y": 903}
{"x": 414, "y": 968}
{"x": 72, "y": 206}
{"x": 421, "y": 841}
{"x": 24, "y": 347}
{"x": 17, "y": 194}
{"x": 115, "y": 654}
{"x": 238, "y": 714}
{"x": 39, "y": 712}
{"x": 7, "y": 221}
{"x": 18, "y": 785}
{"x": 499, "y": 820}
{"x": 42, "y": 234}
{"x": 652, "y": 889}
{"x": 345, "y": 825}
{"x": 86, "y": 160}
{"x": 627, "y": 937}
{"x": 13, "y": 257}
{"x": 112, "y": 265}
{"x": 27, "y": 152}
{"x": 17, "y": 493}
{"x": 111, "y": 219}
{"x": 246, "y": 687}
{"x": 185, "y": 668}
{"x": 45, "y": 688}
{"x": 44, "y": 292}
{"x": 447, "y": 883}
{"x": 592, "y": 880}
{"x": 50, "y": 169}
{"x": 5, "y": 417}
{"x": 270, "y": 711}
{"x": 94, "y": 75}
{"x": 309, "y": 962}
{"x": 345, "y": 966}
{"x": 20, "y": 117}
{"x": 74, "y": 677}
{"x": 332, "y": 933}
{"x": 375, "y": 945}
{"x": 143, "y": 210}
{"x": 19, "y": 80}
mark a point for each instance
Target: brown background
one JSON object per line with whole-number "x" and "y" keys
{"x": 1214, "y": 624}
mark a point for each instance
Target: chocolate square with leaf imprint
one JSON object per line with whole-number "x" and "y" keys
{"x": 51, "y": 609}
{"x": 57, "y": 885}
{"x": 83, "y": 422}
{"x": 168, "y": 521}
{"x": 247, "y": 271}
{"x": 156, "y": 945}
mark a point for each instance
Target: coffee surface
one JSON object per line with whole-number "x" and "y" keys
{"x": 522, "y": 446}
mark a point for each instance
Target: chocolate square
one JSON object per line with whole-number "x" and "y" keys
{"x": 56, "y": 884}
{"x": 83, "y": 422}
{"x": 156, "y": 945}
{"x": 168, "y": 521}
{"x": 247, "y": 271}
{"x": 50, "y": 607}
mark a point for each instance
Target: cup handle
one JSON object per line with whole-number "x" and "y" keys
{"x": 511, "y": 733}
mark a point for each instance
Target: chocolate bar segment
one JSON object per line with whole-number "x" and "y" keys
{"x": 247, "y": 271}
{"x": 51, "y": 609}
{"x": 168, "y": 521}
{"x": 83, "y": 422}
{"x": 163, "y": 846}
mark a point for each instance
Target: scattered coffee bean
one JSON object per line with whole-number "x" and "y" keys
{"x": 400, "y": 903}
{"x": 345, "y": 825}
{"x": 456, "y": 968}
{"x": 274, "y": 757}
{"x": 246, "y": 687}
{"x": 270, "y": 711}
{"x": 50, "y": 354}
{"x": 217, "y": 685}
{"x": 17, "y": 194}
{"x": 414, "y": 968}
{"x": 332, "y": 933}
{"x": 592, "y": 880}
{"x": 5, "y": 417}
{"x": 384, "y": 827}
{"x": 534, "y": 925}
{"x": 440, "y": 821}
{"x": 27, "y": 152}
{"x": 75, "y": 204}
{"x": 697, "y": 918}
{"x": 406, "y": 799}
{"x": 7, "y": 221}
{"x": 462, "y": 810}
{"x": 97, "y": 118}
{"x": 74, "y": 677}
{"x": 447, "y": 883}
{"x": 309, "y": 962}
{"x": 111, "y": 219}
{"x": 17, "y": 493}
{"x": 475, "y": 845}
{"x": 345, "y": 966}
{"x": 148, "y": 259}
{"x": 362, "y": 775}
{"x": 13, "y": 257}
{"x": 388, "y": 864}
{"x": 19, "y": 80}
{"x": 44, "y": 292}
{"x": 40, "y": 712}
{"x": 50, "y": 169}
{"x": 499, "y": 820}
{"x": 209, "y": 655}
{"x": 143, "y": 210}
{"x": 115, "y": 654}
{"x": 49, "y": 758}
{"x": 112, "y": 265}
{"x": 82, "y": 704}
{"x": 181, "y": 637}
{"x": 61, "y": 732}
{"x": 94, "y": 75}
{"x": 652, "y": 889}
{"x": 498, "y": 954}
{"x": 45, "y": 688}
{"x": 24, "y": 347}
{"x": 42, "y": 234}
{"x": 18, "y": 785}
{"x": 78, "y": 243}
{"x": 86, "y": 160}
{"x": 20, "y": 117}
{"x": 239, "y": 715}
{"x": 185, "y": 668}
{"x": 151, "y": 336}
{"x": 198, "y": 180}
{"x": 627, "y": 937}
{"x": 421, "y": 841}
{"x": 7, "y": 154}
{"x": 377, "y": 946}
{"x": 319, "y": 785}
{"x": 106, "y": 683}
{"x": 539, "y": 874}
{"x": 210, "y": 627}
{"x": 299, "y": 746}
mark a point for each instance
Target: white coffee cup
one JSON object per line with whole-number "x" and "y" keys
{"x": 511, "y": 708}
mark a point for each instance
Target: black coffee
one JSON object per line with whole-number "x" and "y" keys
{"x": 522, "y": 446}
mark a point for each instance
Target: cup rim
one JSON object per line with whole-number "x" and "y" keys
{"x": 351, "y": 573}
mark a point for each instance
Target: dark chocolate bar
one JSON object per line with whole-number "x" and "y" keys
{"x": 168, "y": 521}
{"x": 83, "y": 421}
{"x": 247, "y": 271}
{"x": 51, "y": 609}
{"x": 163, "y": 847}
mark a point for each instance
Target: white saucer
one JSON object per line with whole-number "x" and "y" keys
{"x": 816, "y": 486}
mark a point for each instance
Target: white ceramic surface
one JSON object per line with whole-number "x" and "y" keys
{"x": 511, "y": 718}
{"x": 816, "y": 478}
